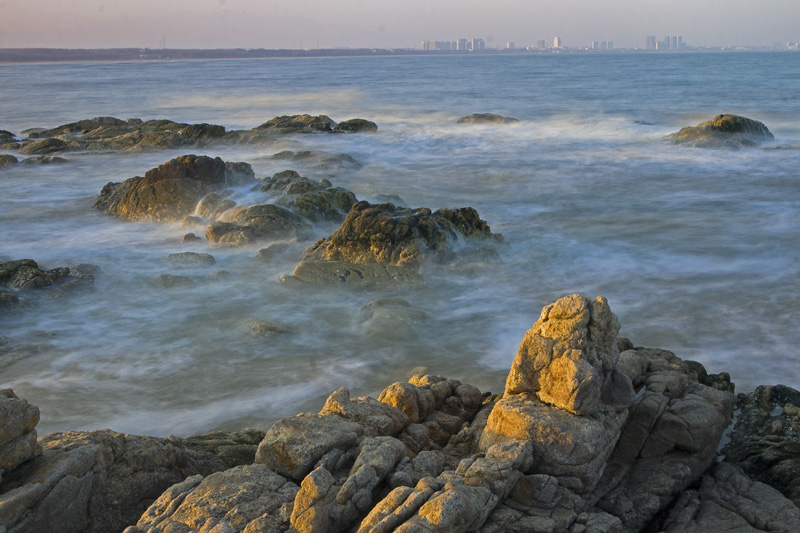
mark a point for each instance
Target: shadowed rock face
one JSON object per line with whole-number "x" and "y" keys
{"x": 172, "y": 190}
{"x": 385, "y": 233}
{"x": 724, "y": 131}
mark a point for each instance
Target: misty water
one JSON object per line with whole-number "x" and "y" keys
{"x": 697, "y": 250}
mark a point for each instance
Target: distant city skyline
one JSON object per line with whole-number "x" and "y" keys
{"x": 383, "y": 24}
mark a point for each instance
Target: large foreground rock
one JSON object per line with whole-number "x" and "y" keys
{"x": 18, "y": 431}
{"x": 172, "y": 190}
{"x": 387, "y": 234}
{"x": 724, "y": 131}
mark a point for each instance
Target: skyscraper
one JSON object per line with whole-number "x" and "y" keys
{"x": 557, "y": 42}
{"x": 651, "y": 42}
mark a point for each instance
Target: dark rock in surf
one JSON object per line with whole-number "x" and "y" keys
{"x": 313, "y": 200}
{"x": 724, "y": 131}
{"x": 170, "y": 281}
{"x": 26, "y": 274}
{"x": 299, "y": 124}
{"x": 202, "y": 131}
{"x": 356, "y": 125}
{"x": 342, "y": 273}
{"x": 384, "y": 233}
{"x": 45, "y": 146}
{"x": 190, "y": 259}
{"x": 6, "y": 136}
{"x": 172, "y": 190}
{"x": 8, "y": 160}
{"x": 486, "y": 118}
{"x": 44, "y": 160}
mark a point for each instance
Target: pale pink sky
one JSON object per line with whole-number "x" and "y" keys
{"x": 389, "y": 23}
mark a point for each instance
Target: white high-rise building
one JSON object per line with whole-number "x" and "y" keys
{"x": 557, "y": 42}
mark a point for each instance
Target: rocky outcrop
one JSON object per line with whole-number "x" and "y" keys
{"x": 299, "y": 124}
{"x": 313, "y": 200}
{"x": 172, "y": 190}
{"x": 8, "y": 160}
{"x": 356, "y": 125}
{"x": 764, "y": 441}
{"x": 724, "y": 131}
{"x": 22, "y": 280}
{"x": 486, "y": 118}
{"x": 18, "y": 431}
{"x": 44, "y": 160}
{"x": 45, "y": 146}
{"x": 387, "y": 234}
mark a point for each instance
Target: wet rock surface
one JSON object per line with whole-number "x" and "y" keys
{"x": 172, "y": 190}
{"x": 724, "y": 131}
{"x": 387, "y": 234}
{"x": 486, "y": 118}
{"x": 620, "y": 439}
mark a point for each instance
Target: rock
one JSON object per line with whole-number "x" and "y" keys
{"x": 202, "y": 131}
{"x": 44, "y": 160}
{"x": 299, "y": 124}
{"x": 569, "y": 358}
{"x": 17, "y": 431}
{"x": 389, "y": 318}
{"x": 172, "y": 190}
{"x": 8, "y": 160}
{"x": 355, "y": 125}
{"x": 262, "y": 498}
{"x": 246, "y": 225}
{"x": 387, "y": 234}
{"x": 170, "y": 281}
{"x": 232, "y": 447}
{"x": 212, "y": 206}
{"x": 376, "y": 417}
{"x": 292, "y": 446}
{"x": 353, "y": 275}
{"x": 190, "y": 259}
{"x": 272, "y": 251}
{"x": 6, "y": 136}
{"x": 724, "y": 131}
{"x": 727, "y": 500}
{"x": 313, "y": 200}
{"x": 764, "y": 441}
{"x": 191, "y": 237}
{"x": 45, "y": 146}
{"x": 262, "y": 328}
{"x": 486, "y": 118}
{"x": 95, "y": 481}
{"x": 26, "y": 274}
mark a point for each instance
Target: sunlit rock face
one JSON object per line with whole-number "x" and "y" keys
{"x": 568, "y": 359}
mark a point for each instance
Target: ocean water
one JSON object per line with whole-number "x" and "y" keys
{"x": 696, "y": 250}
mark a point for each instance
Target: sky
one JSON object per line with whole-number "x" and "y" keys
{"x": 390, "y": 23}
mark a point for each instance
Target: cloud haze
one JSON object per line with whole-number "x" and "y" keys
{"x": 387, "y": 24}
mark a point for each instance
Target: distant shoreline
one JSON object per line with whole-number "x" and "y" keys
{"x": 51, "y": 55}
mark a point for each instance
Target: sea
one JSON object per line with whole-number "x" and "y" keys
{"x": 697, "y": 250}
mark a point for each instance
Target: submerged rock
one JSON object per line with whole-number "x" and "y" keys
{"x": 247, "y": 225}
{"x": 486, "y": 118}
{"x": 172, "y": 190}
{"x": 190, "y": 259}
{"x": 353, "y": 275}
{"x": 393, "y": 235}
{"x": 44, "y": 160}
{"x": 724, "y": 131}
{"x": 389, "y": 318}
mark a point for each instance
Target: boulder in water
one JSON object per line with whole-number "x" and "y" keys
{"x": 486, "y": 118}
{"x": 356, "y": 125}
{"x": 8, "y": 160}
{"x": 724, "y": 131}
{"x": 299, "y": 124}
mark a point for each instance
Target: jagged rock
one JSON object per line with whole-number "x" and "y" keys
{"x": 727, "y": 500}
{"x": 356, "y": 125}
{"x": 486, "y": 118}
{"x": 6, "y": 136}
{"x": 389, "y": 318}
{"x": 45, "y": 146}
{"x": 299, "y": 124}
{"x": 569, "y": 358}
{"x": 353, "y": 275}
{"x": 202, "y": 131}
{"x": 232, "y": 447}
{"x": 765, "y": 442}
{"x": 26, "y": 274}
{"x": 17, "y": 431}
{"x": 262, "y": 499}
{"x": 172, "y": 190}
{"x": 393, "y": 235}
{"x": 313, "y": 200}
{"x": 292, "y": 446}
{"x": 246, "y": 225}
{"x": 724, "y": 131}
{"x": 213, "y": 205}
{"x": 190, "y": 259}
{"x": 8, "y": 160}
{"x": 376, "y": 417}
{"x": 95, "y": 481}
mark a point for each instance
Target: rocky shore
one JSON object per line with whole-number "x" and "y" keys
{"x": 590, "y": 434}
